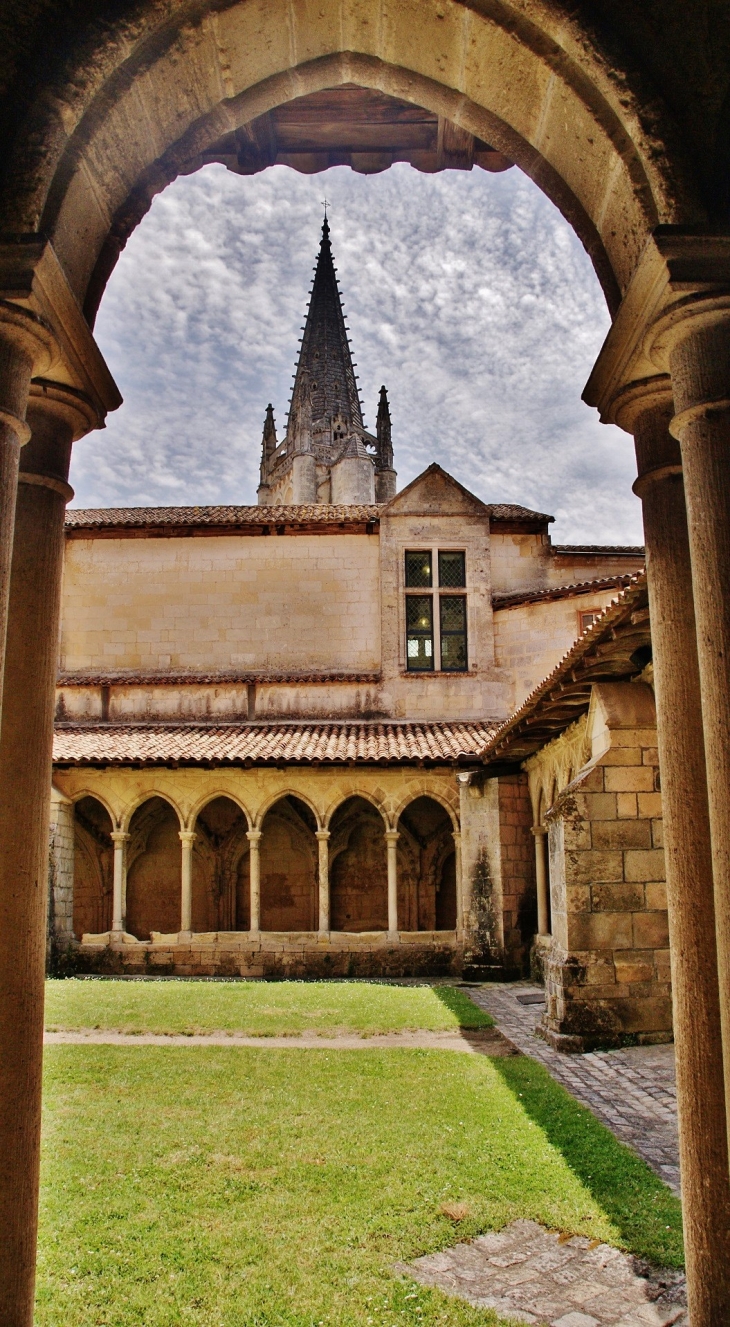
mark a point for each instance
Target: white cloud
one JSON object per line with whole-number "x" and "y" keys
{"x": 467, "y": 294}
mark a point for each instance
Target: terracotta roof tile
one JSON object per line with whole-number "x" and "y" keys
{"x": 602, "y": 583}
{"x": 127, "y": 518}
{"x": 260, "y": 744}
{"x": 169, "y": 678}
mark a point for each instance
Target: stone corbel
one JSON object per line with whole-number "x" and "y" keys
{"x": 32, "y": 281}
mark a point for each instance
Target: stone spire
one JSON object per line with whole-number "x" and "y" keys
{"x": 327, "y": 455}
{"x": 385, "y": 475}
{"x": 325, "y": 370}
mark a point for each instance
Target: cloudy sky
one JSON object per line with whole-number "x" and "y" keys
{"x": 466, "y": 294}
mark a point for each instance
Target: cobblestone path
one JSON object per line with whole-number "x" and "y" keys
{"x": 631, "y": 1091}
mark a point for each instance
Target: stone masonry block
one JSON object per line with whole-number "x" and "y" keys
{"x": 650, "y": 805}
{"x": 629, "y": 970}
{"x": 626, "y": 805}
{"x": 577, "y": 836}
{"x": 657, "y": 833}
{"x": 617, "y": 898}
{"x": 650, "y": 756}
{"x": 622, "y": 834}
{"x": 634, "y": 779}
{"x": 587, "y": 868}
{"x": 601, "y": 930}
{"x": 592, "y": 782}
{"x": 600, "y": 806}
{"x": 622, "y": 755}
{"x": 650, "y": 930}
{"x": 656, "y": 895}
{"x": 578, "y": 898}
{"x": 644, "y": 865}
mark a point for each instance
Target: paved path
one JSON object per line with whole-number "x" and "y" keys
{"x": 631, "y": 1091}
{"x": 484, "y": 1041}
{"x": 532, "y": 1275}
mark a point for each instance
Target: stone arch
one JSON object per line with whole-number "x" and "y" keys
{"x": 355, "y": 791}
{"x": 426, "y": 866}
{"x": 140, "y": 99}
{"x": 288, "y": 855}
{"x": 304, "y": 798}
{"x": 153, "y": 868}
{"x": 221, "y": 894}
{"x": 358, "y": 866}
{"x": 79, "y": 795}
{"x": 210, "y": 797}
{"x": 93, "y": 866}
{"x": 130, "y": 810}
{"x": 436, "y": 795}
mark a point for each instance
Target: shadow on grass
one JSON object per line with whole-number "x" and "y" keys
{"x": 458, "y": 1003}
{"x": 645, "y": 1212}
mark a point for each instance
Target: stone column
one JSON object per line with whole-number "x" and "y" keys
{"x": 56, "y": 414}
{"x": 25, "y": 348}
{"x": 323, "y": 838}
{"x": 254, "y": 838}
{"x": 541, "y": 877}
{"x": 456, "y": 836}
{"x": 391, "y": 839}
{"x": 187, "y": 839}
{"x": 646, "y": 409}
{"x": 119, "y": 839}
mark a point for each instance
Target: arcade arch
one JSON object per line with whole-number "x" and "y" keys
{"x": 220, "y": 869}
{"x": 93, "y": 867}
{"x": 426, "y": 867}
{"x": 358, "y": 867}
{"x": 153, "y": 870}
{"x": 288, "y": 857}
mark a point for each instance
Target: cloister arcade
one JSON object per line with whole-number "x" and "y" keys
{"x": 619, "y": 113}
{"x": 349, "y": 868}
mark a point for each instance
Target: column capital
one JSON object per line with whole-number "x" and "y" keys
{"x": 322, "y": 835}
{"x": 253, "y": 835}
{"x": 683, "y": 276}
{"x": 456, "y": 835}
{"x": 118, "y": 836}
{"x": 391, "y": 836}
{"x": 539, "y": 830}
{"x": 33, "y": 285}
{"x": 187, "y": 837}
{"x": 66, "y": 404}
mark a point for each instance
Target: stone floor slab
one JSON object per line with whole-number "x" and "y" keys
{"x": 535, "y": 1276}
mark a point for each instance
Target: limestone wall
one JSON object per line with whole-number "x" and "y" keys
{"x": 528, "y": 561}
{"x": 608, "y": 977}
{"x": 299, "y": 602}
{"x": 530, "y": 639}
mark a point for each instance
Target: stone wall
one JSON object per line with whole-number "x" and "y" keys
{"x": 607, "y": 970}
{"x": 519, "y": 903}
{"x": 531, "y": 639}
{"x": 303, "y": 602}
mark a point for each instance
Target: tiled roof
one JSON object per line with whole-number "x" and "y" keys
{"x": 275, "y": 743}
{"x": 635, "y": 550}
{"x": 78, "y": 518}
{"x": 518, "y": 597}
{"x": 165, "y": 678}
{"x": 613, "y": 649}
{"x": 320, "y": 514}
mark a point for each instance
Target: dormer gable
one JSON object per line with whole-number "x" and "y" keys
{"x": 436, "y": 493}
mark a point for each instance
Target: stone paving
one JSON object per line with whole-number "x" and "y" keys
{"x": 632, "y": 1091}
{"x": 532, "y": 1275}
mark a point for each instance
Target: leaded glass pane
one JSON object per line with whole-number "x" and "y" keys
{"x": 419, "y": 612}
{"x": 452, "y": 571}
{"x": 453, "y": 654}
{"x": 453, "y": 613}
{"x": 419, "y": 573}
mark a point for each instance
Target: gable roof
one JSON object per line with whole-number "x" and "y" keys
{"x": 434, "y": 475}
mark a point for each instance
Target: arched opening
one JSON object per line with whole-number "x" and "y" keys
{"x": 358, "y": 868}
{"x": 426, "y": 868}
{"x": 288, "y": 853}
{"x": 153, "y": 870}
{"x": 93, "y": 868}
{"x": 221, "y": 900}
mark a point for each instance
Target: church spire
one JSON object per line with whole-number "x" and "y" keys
{"x": 383, "y": 433}
{"x": 325, "y": 372}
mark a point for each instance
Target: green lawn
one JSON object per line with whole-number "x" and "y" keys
{"x": 233, "y": 1187}
{"x": 263, "y": 1009}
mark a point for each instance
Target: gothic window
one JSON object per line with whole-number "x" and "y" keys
{"x": 452, "y": 570}
{"x": 418, "y": 570}
{"x": 453, "y": 633}
{"x": 419, "y": 626}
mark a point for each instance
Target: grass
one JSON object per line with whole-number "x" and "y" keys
{"x": 234, "y": 1187}
{"x": 263, "y": 1009}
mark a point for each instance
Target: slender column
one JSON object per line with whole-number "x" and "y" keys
{"x": 323, "y": 838}
{"x": 119, "y": 839}
{"x": 699, "y": 359}
{"x": 25, "y": 348}
{"x": 56, "y": 415}
{"x": 187, "y": 839}
{"x": 254, "y": 838}
{"x": 541, "y": 877}
{"x": 456, "y": 836}
{"x": 647, "y": 409}
{"x": 391, "y": 839}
